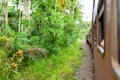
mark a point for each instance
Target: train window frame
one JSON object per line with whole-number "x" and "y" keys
{"x": 118, "y": 28}
{"x": 101, "y": 35}
{"x": 95, "y": 33}
{"x": 115, "y": 58}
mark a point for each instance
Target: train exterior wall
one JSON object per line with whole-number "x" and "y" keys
{"x": 104, "y": 64}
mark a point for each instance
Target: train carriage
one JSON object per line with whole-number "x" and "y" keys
{"x": 106, "y": 30}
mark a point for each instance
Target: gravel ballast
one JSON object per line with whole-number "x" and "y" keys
{"x": 85, "y": 71}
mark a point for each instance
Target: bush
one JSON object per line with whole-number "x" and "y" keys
{"x": 34, "y": 40}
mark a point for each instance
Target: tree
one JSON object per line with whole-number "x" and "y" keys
{"x": 5, "y": 14}
{"x": 55, "y": 22}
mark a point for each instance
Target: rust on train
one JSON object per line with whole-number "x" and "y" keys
{"x": 104, "y": 39}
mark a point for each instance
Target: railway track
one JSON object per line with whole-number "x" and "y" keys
{"x": 85, "y": 71}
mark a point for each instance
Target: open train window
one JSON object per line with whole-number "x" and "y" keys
{"x": 95, "y": 34}
{"x": 101, "y": 29}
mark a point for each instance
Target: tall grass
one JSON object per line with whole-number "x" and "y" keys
{"x": 62, "y": 66}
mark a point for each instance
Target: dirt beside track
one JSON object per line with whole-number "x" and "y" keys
{"x": 85, "y": 71}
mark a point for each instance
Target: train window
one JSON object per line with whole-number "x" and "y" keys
{"x": 101, "y": 26}
{"x": 101, "y": 29}
{"x": 95, "y": 34}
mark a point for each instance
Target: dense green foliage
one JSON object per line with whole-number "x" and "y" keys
{"x": 55, "y": 28}
{"x": 61, "y": 66}
{"x": 84, "y": 29}
{"x": 52, "y": 25}
{"x": 40, "y": 32}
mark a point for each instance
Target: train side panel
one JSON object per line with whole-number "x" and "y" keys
{"x": 103, "y": 62}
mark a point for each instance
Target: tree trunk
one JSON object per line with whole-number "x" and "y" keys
{"x": 19, "y": 21}
{"x": 29, "y": 4}
{"x": 6, "y": 10}
{"x": 5, "y": 14}
{"x": 20, "y": 16}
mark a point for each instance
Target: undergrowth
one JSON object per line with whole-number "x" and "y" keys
{"x": 62, "y": 66}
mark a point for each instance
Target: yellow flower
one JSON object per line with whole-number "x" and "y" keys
{"x": 5, "y": 39}
{"x": 14, "y": 65}
{"x": 61, "y": 5}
